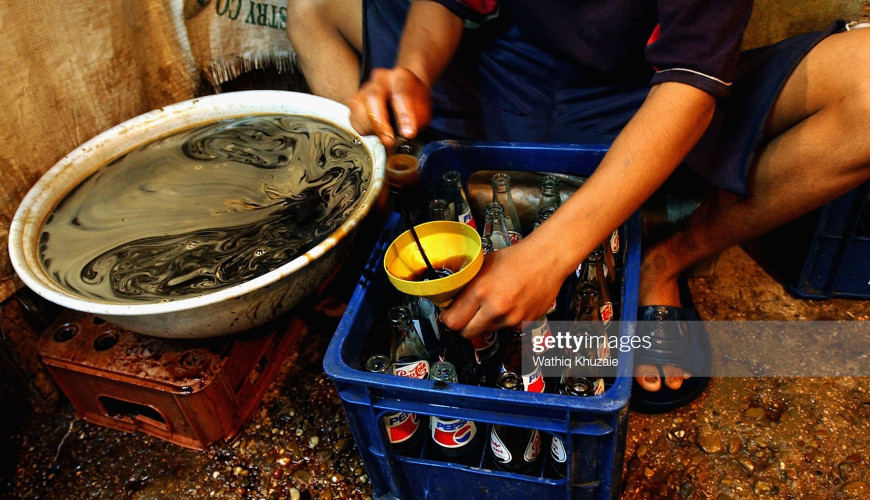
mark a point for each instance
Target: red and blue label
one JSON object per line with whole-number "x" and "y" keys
{"x": 401, "y": 426}
{"x": 452, "y": 433}
{"x": 534, "y": 381}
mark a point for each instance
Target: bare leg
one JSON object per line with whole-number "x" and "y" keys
{"x": 327, "y": 38}
{"x": 817, "y": 153}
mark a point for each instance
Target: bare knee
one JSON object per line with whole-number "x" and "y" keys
{"x": 854, "y": 93}
{"x": 850, "y": 69}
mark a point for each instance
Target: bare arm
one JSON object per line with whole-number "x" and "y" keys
{"x": 430, "y": 38}
{"x": 518, "y": 283}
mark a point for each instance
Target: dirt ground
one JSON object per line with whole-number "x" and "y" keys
{"x": 757, "y": 437}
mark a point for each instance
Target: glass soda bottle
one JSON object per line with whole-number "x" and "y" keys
{"x": 486, "y": 346}
{"x": 424, "y": 317}
{"x": 517, "y": 354}
{"x": 592, "y": 271}
{"x": 486, "y": 244}
{"x": 403, "y": 429}
{"x": 551, "y": 196}
{"x": 609, "y": 268}
{"x": 569, "y": 386}
{"x": 543, "y": 214}
{"x": 609, "y": 264}
{"x": 588, "y": 326}
{"x": 514, "y": 449}
{"x": 457, "y": 198}
{"x": 454, "y": 440}
{"x": 501, "y": 194}
{"x": 495, "y": 227}
{"x": 439, "y": 209}
{"x": 615, "y": 243}
{"x": 408, "y": 353}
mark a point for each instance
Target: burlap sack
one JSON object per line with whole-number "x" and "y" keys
{"x": 231, "y": 37}
{"x": 70, "y": 72}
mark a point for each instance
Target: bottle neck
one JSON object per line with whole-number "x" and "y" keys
{"x": 443, "y": 371}
{"x": 378, "y": 364}
{"x": 577, "y": 386}
{"x": 509, "y": 381}
{"x": 495, "y": 228}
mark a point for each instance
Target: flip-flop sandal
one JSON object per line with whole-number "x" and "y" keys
{"x": 679, "y": 339}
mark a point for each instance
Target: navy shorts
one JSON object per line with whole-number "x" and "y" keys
{"x": 501, "y": 87}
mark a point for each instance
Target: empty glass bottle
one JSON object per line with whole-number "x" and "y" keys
{"x": 517, "y": 355}
{"x": 439, "y": 209}
{"x": 543, "y": 214}
{"x": 424, "y": 317}
{"x": 457, "y": 198}
{"x": 514, "y": 449}
{"x": 495, "y": 227}
{"x": 501, "y": 194}
{"x": 408, "y": 353}
{"x": 403, "y": 429}
{"x": 593, "y": 271}
{"x": 589, "y": 329}
{"x": 485, "y": 244}
{"x": 456, "y": 440}
{"x": 551, "y": 196}
{"x": 569, "y": 386}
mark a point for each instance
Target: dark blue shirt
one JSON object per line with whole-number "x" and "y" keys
{"x": 695, "y": 42}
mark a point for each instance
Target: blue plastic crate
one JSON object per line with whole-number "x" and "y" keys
{"x": 593, "y": 428}
{"x": 825, "y": 253}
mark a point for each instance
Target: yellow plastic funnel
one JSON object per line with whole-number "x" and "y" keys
{"x": 448, "y": 244}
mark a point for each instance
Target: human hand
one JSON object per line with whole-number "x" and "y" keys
{"x": 515, "y": 284}
{"x": 391, "y": 92}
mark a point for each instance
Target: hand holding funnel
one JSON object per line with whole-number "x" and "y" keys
{"x": 449, "y": 245}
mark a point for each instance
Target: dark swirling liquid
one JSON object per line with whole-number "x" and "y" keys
{"x": 204, "y": 209}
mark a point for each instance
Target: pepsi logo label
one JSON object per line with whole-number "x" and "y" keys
{"x": 401, "y": 426}
{"x": 534, "y": 382}
{"x": 484, "y": 341}
{"x": 543, "y": 330}
{"x": 452, "y": 433}
{"x": 467, "y": 218}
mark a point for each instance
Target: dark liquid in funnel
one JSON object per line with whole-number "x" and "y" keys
{"x": 204, "y": 209}
{"x": 442, "y": 269}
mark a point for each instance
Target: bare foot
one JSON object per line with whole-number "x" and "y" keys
{"x": 658, "y": 286}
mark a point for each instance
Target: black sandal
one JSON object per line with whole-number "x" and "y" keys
{"x": 678, "y": 338}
